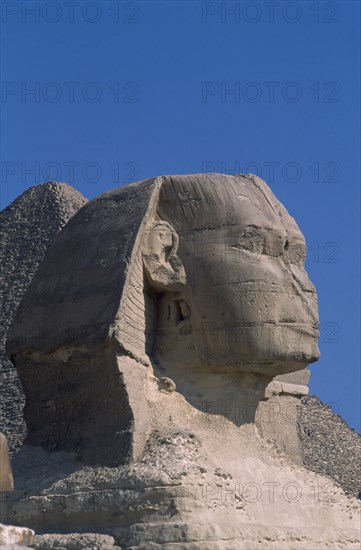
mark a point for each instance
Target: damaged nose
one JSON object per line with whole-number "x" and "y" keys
{"x": 302, "y": 279}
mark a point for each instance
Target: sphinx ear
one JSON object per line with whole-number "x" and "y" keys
{"x": 163, "y": 268}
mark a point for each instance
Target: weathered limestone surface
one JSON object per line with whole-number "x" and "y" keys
{"x": 6, "y": 474}
{"x": 13, "y": 538}
{"x": 151, "y": 395}
{"x": 27, "y": 227}
{"x": 189, "y": 491}
{"x": 75, "y": 541}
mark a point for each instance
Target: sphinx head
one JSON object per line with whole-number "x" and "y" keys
{"x": 190, "y": 274}
{"x": 226, "y": 264}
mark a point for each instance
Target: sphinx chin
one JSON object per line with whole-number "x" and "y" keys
{"x": 277, "y": 361}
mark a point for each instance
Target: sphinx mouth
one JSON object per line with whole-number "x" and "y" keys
{"x": 309, "y": 329}
{"x": 271, "y": 323}
{"x": 290, "y": 323}
{"x": 309, "y": 324}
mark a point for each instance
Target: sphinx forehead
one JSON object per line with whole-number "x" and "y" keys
{"x": 197, "y": 200}
{"x": 210, "y": 201}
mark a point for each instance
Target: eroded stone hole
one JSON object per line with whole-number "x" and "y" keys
{"x": 179, "y": 313}
{"x": 182, "y": 310}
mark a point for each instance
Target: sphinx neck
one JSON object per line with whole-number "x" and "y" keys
{"x": 230, "y": 393}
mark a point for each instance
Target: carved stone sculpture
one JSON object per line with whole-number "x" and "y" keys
{"x": 149, "y": 341}
{"x": 187, "y": 274}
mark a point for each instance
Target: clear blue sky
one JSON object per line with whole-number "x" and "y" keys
{"x": 128, "y": 90}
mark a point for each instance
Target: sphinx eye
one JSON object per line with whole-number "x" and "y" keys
{"x": 296, "y": 253}
{"x": 252, "y": 239}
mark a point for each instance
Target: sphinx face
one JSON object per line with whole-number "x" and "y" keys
{"x": 252, "y": 305}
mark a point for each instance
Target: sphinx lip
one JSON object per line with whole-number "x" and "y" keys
{"x": 308, "y": 328}
{"x": 291, "y": 324}
{"x": 296, "y": 323}
{"x": 287, "y": 323}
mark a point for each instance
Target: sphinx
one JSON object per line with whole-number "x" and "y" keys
{"x": 187, "y": 277}
{"x": 165, "y": 319}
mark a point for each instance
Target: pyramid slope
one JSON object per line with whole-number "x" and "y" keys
{"x": 27, "y": 227}
{"x": 329, "y": 446}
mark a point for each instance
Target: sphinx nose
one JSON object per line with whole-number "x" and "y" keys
{"x": 301, "y": 278}
{"x": 306, "y": 292}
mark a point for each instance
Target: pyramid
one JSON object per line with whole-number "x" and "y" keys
{"x": 27, "y": 227}
{"x": 328, "y": 445}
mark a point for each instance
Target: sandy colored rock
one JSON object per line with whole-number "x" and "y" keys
{"x": 6, "y": 474}
{"x": 15, "y": 537}
{"x": 75, "y": 541}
